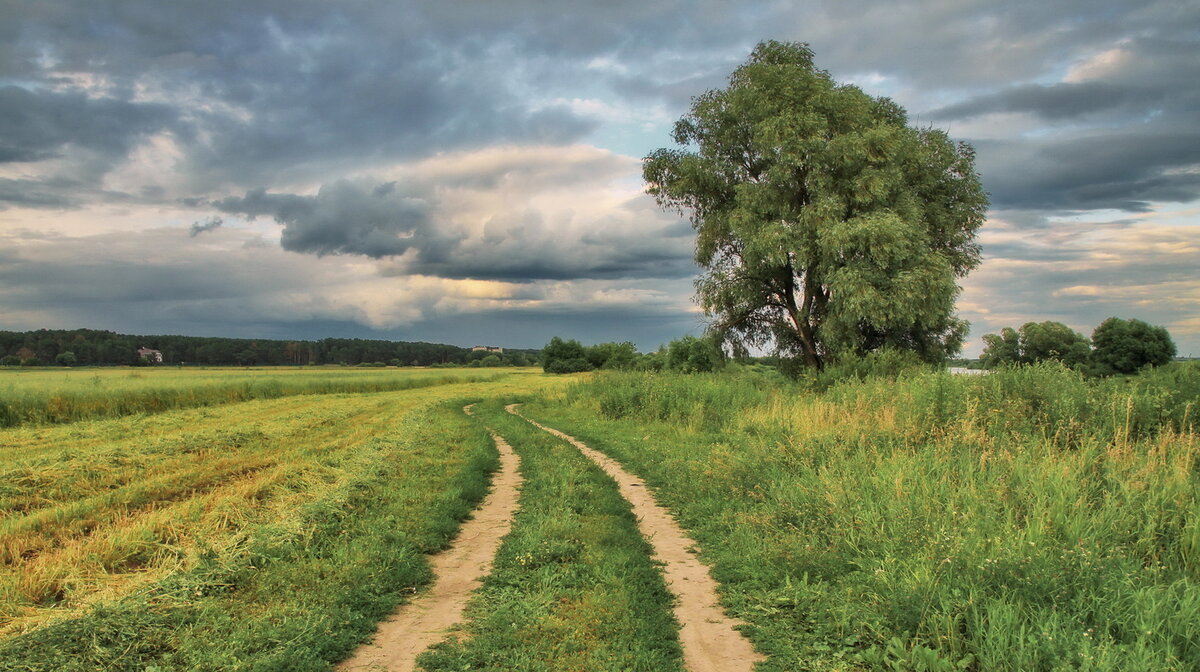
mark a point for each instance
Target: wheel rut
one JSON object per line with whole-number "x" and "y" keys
{"x": 709, "y": 639}
{"x": 458, "y": 571}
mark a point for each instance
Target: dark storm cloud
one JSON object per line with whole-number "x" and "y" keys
{"x": 1056, "y": 101}
{"x": 343, "y": 218}
{"x": 532, "y": 252}
{"x": 34, "y": 194}
{"x": 263, "y": 92}
{"x": 1120, "y": 170}
{"x": 67, "y": 271}
{"x": 266, "y": 93}
{"x": 382, "y": 221}
{"x": 35, "y": 125}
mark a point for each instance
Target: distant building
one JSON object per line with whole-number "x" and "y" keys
{"x": 152, "y": 356}
{"x": 488, "y": 348}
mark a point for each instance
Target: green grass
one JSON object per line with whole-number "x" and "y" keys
{"x": 50, "y": 396}
{"x": 1026, "y": 520}
{"x": 297, "y": 592}
{"x": 573, "y": 587}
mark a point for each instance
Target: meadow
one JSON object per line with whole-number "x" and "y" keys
{"x": 1025, "y": 520}
{"x": 1030, "y": 519}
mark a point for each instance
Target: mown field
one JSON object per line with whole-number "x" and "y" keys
{"x": 267, "y": 534}
{"x": 1024, "y": 520}
{"x": 55, "y": 395}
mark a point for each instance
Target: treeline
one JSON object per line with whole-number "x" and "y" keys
{"x": 1117, "y": 346}
{"x": 83, "y": 347}
{"x": 687, "y": 355}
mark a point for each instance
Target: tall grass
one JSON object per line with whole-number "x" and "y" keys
{"x": 58, "y": 397}
{"x": 1025, "y": 520}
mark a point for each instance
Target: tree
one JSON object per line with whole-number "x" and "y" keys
{"x": 825, "y": 224}
{"x": 67, "y": 358}
{"x": 561, "y": 356}
{"x": 1125, "y": 346}
{"x": 1002, "y": 348}
{"x": 1041, "y": 341}
{"x": 694, "y": 355}
{"x": 612, "y": 355}
{"x": 1036, "y": 342}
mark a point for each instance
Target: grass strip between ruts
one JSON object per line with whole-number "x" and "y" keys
{"x": 573, "y": 586}
{"x": 298, "y": 597}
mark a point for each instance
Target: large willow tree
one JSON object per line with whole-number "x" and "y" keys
{"x": 826, "y": 225}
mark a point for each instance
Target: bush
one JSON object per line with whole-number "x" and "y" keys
{"x": 575, "y": 365}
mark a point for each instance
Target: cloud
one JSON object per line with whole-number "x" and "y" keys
{"x": 1122, "y": 170}
{"x": 427, "y": 157}
{"x": 35, "y": 125}
{"x": 226, "y": 287}
{"x": 1053, "y": 102}
{"x": 1077, "y": 273}
{"x": 34, "y": 194}
{"x": 209, "y": 224}
{"x": 344, "y": 218}
{"x": 516, "y": 213}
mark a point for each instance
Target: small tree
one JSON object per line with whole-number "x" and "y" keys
{"x": 67, "y": 358}
{"x": 1125, "y": 346}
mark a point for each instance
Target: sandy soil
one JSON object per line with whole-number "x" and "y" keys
{"x": 710, "y": 642}
{"x": 458, "y": 571}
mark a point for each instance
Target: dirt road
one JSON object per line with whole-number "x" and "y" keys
{"x": 458, "y": 571}
{"x": 710, "y": 642}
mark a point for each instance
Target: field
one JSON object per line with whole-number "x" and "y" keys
{"x": 1026, "y": 520}
{"x": 36, "y": 396}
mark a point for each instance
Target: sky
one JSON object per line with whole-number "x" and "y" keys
{"x": 469, "y": 172}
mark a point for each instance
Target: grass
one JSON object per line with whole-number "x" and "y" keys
{"x": 55, "y": 396}
{"x": 573, "y": 587}
{"x": 264, "y": 535}
{"x": 1026, "y": 520}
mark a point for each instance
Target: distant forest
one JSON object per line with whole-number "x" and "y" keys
{"x": 84, "y": 347}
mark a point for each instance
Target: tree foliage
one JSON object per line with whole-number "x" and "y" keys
{"x": 825, "y": 224}
{"x": 694, "y": 355}
{"x": 563, "y": 356}
{"x": 1036, "y": 342}
{"x": 1125, "y": 346}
